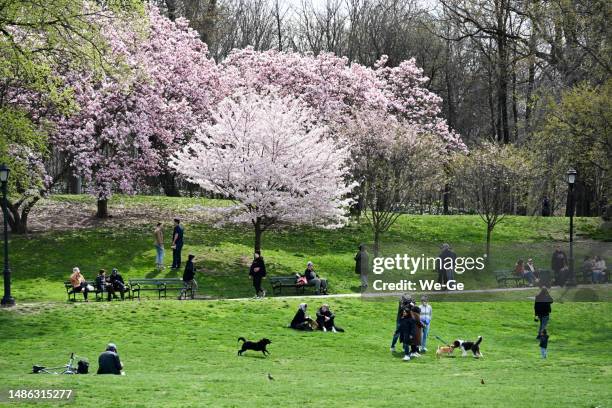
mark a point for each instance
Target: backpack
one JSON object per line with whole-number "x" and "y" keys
{"x": 82, "y": 367}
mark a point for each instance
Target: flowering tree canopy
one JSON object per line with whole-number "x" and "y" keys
{"x": 128, "y": 125}
{"x": 267, "y": 153}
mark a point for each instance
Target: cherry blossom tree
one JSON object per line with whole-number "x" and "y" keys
{"x": 128, "y": 125}
{"x": 268, "y": 154}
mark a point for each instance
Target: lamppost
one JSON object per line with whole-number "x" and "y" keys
{"x": 7, "y": 300}
{"x": 571, "y": 179}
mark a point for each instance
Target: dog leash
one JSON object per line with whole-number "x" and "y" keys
{"x": 446, "y": 343}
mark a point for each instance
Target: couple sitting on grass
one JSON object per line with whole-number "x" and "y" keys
{"x": 324, "y": 321}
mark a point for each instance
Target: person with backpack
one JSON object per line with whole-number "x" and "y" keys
{"x": 257, "y": 272}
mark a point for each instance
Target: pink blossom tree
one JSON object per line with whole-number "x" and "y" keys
{"x": 267, "y": 153}
{"x": 128, "y": 125}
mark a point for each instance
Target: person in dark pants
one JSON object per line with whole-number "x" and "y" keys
{"x": 542, "y": 309}
{"x": 301, "y": 321}
{"x": 546, "y": 207}
{"x": 189, "y": 278}
{"x": 109, "y": 362}
{"x": 117, "y": 283}
{"x": 78, "y": 282}
{"x": 362, "y": 266}
{"x": 103, "y": 284}
{"x": 544, "y": 343}
{"x": 257, "y": 272}
{"x": 407, "y": 329}
{"x": 325, "y": 320}
{"x": 177, "y": 244}
{"x": 446, "y": 264}
{"x": 405, "y": 303}
{"x": 559, "y": 265}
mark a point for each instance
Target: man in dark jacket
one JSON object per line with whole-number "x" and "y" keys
{"x": 407, "y": 329}
{"x": 446, "y": 264}
{"x": 325, "y": 320}
{"x": 177, "y": 243}
{"x": 116, "y": 280}
{"x": 558, "y": 264}
{"x": 311, "y": 277}
{"x": 189, "y": 281}
{"x": 257, "y": 272}
{"x": 542, "y": 309}
{"x": 362, "y": 266}
{"x": 109, "y": 362}
{"x": 103, "y": 284}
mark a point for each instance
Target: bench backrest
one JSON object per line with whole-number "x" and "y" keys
{"x": 156, "y": 282}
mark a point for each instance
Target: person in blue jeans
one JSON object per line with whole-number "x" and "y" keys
{"x": 544, "y": 343}
{"x": 177, "y": 244}
{"x": 425, "y": 321}
{"x": 404, "y": 304}
{"x": 542, "y": 309}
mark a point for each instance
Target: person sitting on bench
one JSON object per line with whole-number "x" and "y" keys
{"x": 103, "y": 284}
{"x": 325, "y": 320}
{"x": 79, "y": 284}
{"x": 301, "y": 321}
{"x": 117, "y": 283}
{"x": 109, "y": 362}
{"x": 311, "y": 277}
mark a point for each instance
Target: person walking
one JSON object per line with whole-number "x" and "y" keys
{"x": 189, "y": 281}
{"x": 405, "y": 303}
{"x": 544, "y": 343}
{"x": 542, "y": 309}
{"x": 362, "y": 266}
{"x": 159, "y": 246}
{"x": 177, "y": 243}
{"x": 426, "y": 313}
{"x": 257, "y": 272}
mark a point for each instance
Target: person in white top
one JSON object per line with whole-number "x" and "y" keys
{"x": 599, "y": 270}
{"x": 425, "y": 320}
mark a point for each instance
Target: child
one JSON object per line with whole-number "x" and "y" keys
{"x": 407, "y": 330}
{"x": 543, "y": 343}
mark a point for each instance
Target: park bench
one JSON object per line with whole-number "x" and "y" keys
{"x": 280, "y": 282}
{"x": 98, "y": 291}
{"x": 505, "y": 276}
{"x": 161, "y": 285}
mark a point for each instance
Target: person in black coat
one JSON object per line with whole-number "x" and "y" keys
{"x": 325, "y": 320}
{"x": 301, "y": 321}
{"x": 542, "y": 309}
{"x": 559, "y": 265}
{"x": 257, "y": 272}
{"x": 407, "y": 329}
{"x": 446, "y": 264}
{"x": 362, "y": 266}
{"x": 189, "y": 278}
{"x": 116, "y": 280}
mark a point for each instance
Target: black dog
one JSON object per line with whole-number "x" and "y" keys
{"x": 256, "y": 346}
{"x": 466, "y": 346}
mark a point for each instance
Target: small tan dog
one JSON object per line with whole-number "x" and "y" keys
{"x": 444, "y": 351}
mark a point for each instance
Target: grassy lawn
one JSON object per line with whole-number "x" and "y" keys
{"x": 41, "y": 261}
{"x": 183, "y": 354}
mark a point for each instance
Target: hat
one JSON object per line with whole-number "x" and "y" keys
{"x": 309, "y": 263}
{"x": 111, "y": 347}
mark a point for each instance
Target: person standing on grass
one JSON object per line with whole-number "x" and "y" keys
{"x": 542, "y": 309}
{"x": 78, "y": 282}
{"x": 405, "y": 303}
{"x": 362, "y": 266}
{"x": 159, "y": 246}
{"x": 544, "y": 343}
{"x": 177, "y": 244}
{"x": 446, "y": 264}
{"x": 407, "y": 331}
{"x": 189, "y": 278}
{"x": 426, "y": 313}
{"x": 257, "y": 272}
{"x": 109, "y": 361}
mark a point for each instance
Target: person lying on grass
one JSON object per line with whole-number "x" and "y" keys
{"x": 325, "y": 320}
{"x": 301, "y": 321}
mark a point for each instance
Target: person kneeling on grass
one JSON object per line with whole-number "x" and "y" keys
{"x": 407, "y": 331}
{"x": 109, "y": 362}
{"x": 325, "y": 320}
{"x": 189, "y": 278}
{"x": 301, "y": 321}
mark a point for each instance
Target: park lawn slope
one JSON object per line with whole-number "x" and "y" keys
{"x": 183, "y": 354}
{"x": 42, "y": 261}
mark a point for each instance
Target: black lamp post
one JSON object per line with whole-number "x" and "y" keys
{"x": 7, "y": 299}
{"x": 571, "y": 179}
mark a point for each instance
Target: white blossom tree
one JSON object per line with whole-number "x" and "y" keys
{"x": 268, "y": 154}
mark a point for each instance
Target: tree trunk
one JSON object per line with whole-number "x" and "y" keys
{"x": 171, "y": 6}
{"x": 488, "y": 249}
{"x": 376, "y": 242}
{"x": 258, "y": 232}
{"x": 530, "y": 86}
{"x": 502, "y": 71}
{"x": 102, "y": 209}
{"x": 445, "y": 198}
{"x": 168, "y": 183}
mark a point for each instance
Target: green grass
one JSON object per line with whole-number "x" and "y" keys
{"x": 183, "y": 354}
{"x": 41, "y": 261}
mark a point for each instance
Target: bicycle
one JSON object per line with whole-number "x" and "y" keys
{"x": 68, "y": 368}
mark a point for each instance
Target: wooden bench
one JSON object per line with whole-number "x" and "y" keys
{"x": 98, "y": 291}
{"x": 280, "y": 282}
{"x": 505, "y": 276}
{"x": 161, "y": 285}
